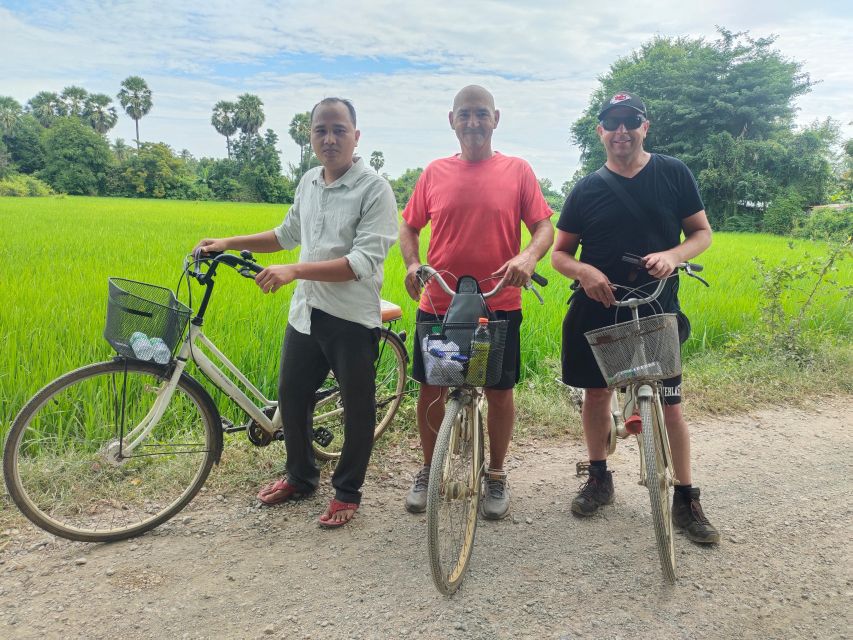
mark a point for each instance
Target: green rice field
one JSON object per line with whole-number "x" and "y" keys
{"x": 57, "y": 254}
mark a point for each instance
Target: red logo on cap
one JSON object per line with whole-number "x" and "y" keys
{"x": 619, "y": 97}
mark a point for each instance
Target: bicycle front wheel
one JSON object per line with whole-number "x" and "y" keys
{"x": 453, "y": 496}
{"x": 657, "y": 482}
{"x": 390, "y": 383}
{"x": 68, "y": 462}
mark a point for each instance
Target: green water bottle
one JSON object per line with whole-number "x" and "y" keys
{"x": 478, "y": 362}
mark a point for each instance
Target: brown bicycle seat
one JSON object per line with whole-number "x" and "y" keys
{"x": 390, "y": 311}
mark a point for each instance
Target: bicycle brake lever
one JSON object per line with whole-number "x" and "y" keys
{"x": 690, "y": 273}
{"x": 529, "y": 286}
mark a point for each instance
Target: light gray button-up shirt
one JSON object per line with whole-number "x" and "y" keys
{"x": 354, "y": 217}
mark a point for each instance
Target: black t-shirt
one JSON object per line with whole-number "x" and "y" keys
{"x": 665, "y": 191}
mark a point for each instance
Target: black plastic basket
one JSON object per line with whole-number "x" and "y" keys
{"x": 136, "y": 306}
{"x": 446, "y": 350}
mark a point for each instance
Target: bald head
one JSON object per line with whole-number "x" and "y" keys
{"x": 476, "y": 93}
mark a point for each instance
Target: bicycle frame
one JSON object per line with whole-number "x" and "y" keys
{"x": 217, "y": 376}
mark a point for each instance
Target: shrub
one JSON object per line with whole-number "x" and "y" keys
{"x": 827, "y": 223}
{"x": 22, "y": 185}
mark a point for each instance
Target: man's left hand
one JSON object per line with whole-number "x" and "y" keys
{"x": 517, "y": 271}
{"x": 660, "y": 264}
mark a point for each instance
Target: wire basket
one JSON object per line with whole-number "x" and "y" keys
{"x": 136, "y": 307}
{"x": 451, "y": 358}
{"x": 644, "y": 349}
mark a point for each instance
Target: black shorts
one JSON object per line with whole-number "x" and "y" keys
{"x": 579, "y": 366}
{"x": 512, "y": 349}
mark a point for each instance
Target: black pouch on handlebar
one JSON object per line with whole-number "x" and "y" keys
{"x": 468, "y": 305}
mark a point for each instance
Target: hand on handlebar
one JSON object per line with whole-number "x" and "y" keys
{"x": 517, "y": 271}
{"x": 661, "y": 264}
{"x": 597, "y": 286}
{"x": 275, "y": 277}
{"x": 209, "y": 245}
{"x": 413, "y": 282}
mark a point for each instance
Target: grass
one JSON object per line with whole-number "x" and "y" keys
{"x": 58, "y": 253}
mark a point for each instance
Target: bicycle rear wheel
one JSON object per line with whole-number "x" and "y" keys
{"x": 390, "y": 383}
{"x": 453, "y": 496}
{"x": 657, "y": 482}
{"x": 65, "y": 462}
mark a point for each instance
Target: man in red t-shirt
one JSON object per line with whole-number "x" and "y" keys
{"x": 475, "y": 201}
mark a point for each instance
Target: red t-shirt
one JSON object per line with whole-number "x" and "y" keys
{"x": 476, "y": 210}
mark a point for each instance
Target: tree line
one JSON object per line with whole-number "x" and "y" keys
{"x": 726, "y": 107}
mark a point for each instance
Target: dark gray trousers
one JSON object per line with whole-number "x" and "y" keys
{"x": 350, "y": 351}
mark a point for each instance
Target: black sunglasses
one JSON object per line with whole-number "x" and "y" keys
{"x": 611, "y": 123}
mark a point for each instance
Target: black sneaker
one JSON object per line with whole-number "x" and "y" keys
{"x": 594, "y": 493}
{"x": 688, "y": 516}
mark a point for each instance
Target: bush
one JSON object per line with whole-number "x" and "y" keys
{"x": 784, "y": 211}
{"x": 826, "y": 223}
{"x": 22, "y": 185}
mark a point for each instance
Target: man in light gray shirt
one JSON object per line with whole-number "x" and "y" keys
{"x": 344, "y": 216}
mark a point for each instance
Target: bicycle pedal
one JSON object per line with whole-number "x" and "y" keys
{"x": 230, "y": 427}
{"x": 323, "y": 436}
{"x": 582, "y": 468}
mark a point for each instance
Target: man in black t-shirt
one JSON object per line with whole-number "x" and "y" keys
{"x": 595, "y": 219}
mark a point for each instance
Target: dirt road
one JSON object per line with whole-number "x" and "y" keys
{"x": 777, "y": 482}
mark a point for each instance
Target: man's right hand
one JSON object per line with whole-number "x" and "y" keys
{"x": 597, "y": 286}
{"x": 210, "y": 245}
{"x": 413, "y": 285}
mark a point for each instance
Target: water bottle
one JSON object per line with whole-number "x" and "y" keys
{"x": 478, "y": 361}
{"x": 141, "y": 345}
{"x": 162, "y": 354}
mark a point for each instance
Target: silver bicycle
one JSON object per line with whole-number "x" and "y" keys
{"x": 634, "y": 357}
{"x": 113, "y": 449}
{"x": 450, "y": 352}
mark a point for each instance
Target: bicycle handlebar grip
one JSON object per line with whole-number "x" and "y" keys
{"x": 694, "y": 267}
{"x": 540, "y": 280}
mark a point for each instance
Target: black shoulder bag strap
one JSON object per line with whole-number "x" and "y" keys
{"x": 629, "y": 202}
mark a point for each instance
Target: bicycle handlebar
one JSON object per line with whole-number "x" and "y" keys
{"x": 688, "y": 267}
{"x": 244, "y": 264}
{"x": 425, "y": 272}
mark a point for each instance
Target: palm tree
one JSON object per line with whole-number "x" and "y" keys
{"x": 45, "y": 107}
{"x": 100, "y": 113}
{"x": 120, "y": 150}
{"x": 135, "y": 99}
{"x": 74, "y": 98}
{"x": 223, "y": 121}
{"x": 10, "y": 111}
{"x": 377, "y": 160}
{"x": 249, "y": 113}
{"x": 300, "y": 131}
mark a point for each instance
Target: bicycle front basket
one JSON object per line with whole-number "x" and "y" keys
{"x": 136, "y": 306}
{"x": 646, "y": 349}
{"x": 447, "y": 353}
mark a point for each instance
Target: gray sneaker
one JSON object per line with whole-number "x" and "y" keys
{"x": 417, "y": 497}
{"x": 495, "y": 504}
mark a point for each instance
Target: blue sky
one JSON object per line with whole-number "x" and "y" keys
{"x": 401, "y": 63}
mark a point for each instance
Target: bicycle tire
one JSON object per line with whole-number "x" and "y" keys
{"x": 454, "y": 485}
{"x": 658, "y": 485}
{"x": 390, "y": 385}
{"x": 64, "y": 467}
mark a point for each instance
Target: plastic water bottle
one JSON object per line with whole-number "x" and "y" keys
{"x": 162, "y": 354}
{"x": 479, "y": 360}
{"x": 141, "y": 345}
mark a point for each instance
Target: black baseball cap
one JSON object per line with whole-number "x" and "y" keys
{"x": 623, "y": 99}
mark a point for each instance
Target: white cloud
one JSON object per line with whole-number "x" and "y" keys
{"x": 541, "y": 60}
